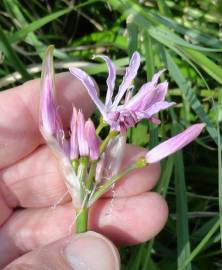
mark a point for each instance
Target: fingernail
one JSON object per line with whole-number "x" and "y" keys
{"x": 91, "y": 251}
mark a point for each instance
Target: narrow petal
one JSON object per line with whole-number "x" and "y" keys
{"x": 82, "y": 142}
{"x": 129, "y": 76}
{"x": 146, "y": 94}
{"x": 47, "y": 119}
{"x": 90, "y": 86}
{"x": 110, "y": 80}
{"x": 74, "y": 149}
{"x": 174, "y": 144}
{"x": 93, "y": 141}
{"x": 161, "y": 91}
{"x": 159, "y": 106}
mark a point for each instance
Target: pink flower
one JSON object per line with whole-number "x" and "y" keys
{"x": 149, "y": 100}
{"x": 174, "y": 144}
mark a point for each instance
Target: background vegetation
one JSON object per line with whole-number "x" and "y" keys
{"x": 182, "y": 36}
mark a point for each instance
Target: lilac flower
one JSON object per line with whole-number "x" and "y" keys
{"x": 149, "y": 100}
{"x": 174, "y": 144}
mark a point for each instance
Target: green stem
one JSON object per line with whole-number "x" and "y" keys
{"x": 111, "y": 135}
{"x": 140, "y": 163}
{"x": 102, "y": 124}
{"x": 81, "y": 220}
{"x": 82, "y": 170}
{"x": 91, "y": 175}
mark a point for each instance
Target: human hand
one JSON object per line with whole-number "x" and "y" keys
{"x": 30, "y": 183}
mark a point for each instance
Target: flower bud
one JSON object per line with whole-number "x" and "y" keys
{"x": 82, "y": 142}
{"x": 74, "y": 149}
{"x": 93, "y": 141}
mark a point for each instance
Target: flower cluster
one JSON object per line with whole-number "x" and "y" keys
{"x": 84, "y": 156}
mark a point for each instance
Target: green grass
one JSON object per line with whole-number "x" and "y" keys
{"x": 185, "y": 38}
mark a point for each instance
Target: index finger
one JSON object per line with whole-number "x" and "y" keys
{"x": 19, "y": 110}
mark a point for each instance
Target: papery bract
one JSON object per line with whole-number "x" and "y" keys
{"x": 174, "y": 144}
{"x": 47, "y": 117}
{"x": 112, "y": 158}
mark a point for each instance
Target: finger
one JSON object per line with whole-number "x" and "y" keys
{"x": 123, "y": 220}
{"x": 84, "y": 251}
{"x": 5, "y": 210}
{"x": 36, "y": 182}
{"x": 19, "y": 131}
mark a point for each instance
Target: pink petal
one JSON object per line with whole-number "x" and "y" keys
{"x": 93, "y": 141}
{"x": 174, "y": 144}
{"x": 129, "y": 76}
{"x": 90, "y": 87}
{"x": 110, "y": 80}
{"x": 146, "y": 94}
{"x": 159, "y": 106}
{"x": 82, "y": 142}
{"x": 74, "y": 149}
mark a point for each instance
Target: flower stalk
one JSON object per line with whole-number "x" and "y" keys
{"x": 81, "y": 220}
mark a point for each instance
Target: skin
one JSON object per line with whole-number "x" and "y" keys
{"x": 30, "y": 184}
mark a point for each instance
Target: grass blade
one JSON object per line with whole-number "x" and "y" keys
{"x": 190, "y": 95}
{"x": 183, "y": 243}
{"x": 201, "y": 245}
{"x": 12, "y": 56}
{"x": 205, "y": 63}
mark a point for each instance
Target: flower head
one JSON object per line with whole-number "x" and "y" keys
{"x": 149, "y": 100}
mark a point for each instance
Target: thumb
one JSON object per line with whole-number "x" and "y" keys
{"x": 79, "y": 252}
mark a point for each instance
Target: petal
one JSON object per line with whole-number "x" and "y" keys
{"x": 147, "y": 94}
{"x": 74, "y": 149}
{"x": 93, "y": 141}
{"x": 82, "y": 142}
{"x": 47, "y": 119}
{"x": 161, "y": 91}
{"x": 174, "y": 144}
{"x": 110, "y": 80}
{"x": 159, "y": 106}
{"x": 136, "y": 102}
{"x": 90, "y": 86}
{"x": 129, "y": 76}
